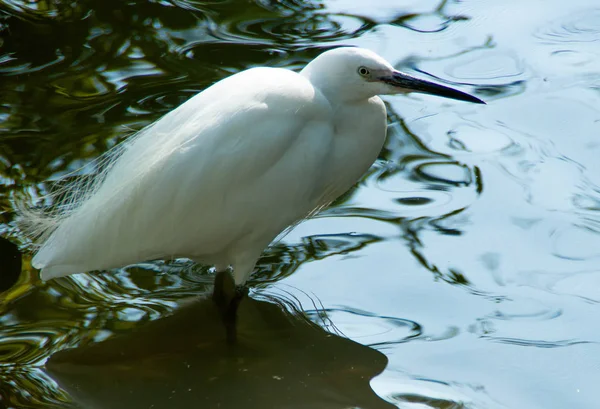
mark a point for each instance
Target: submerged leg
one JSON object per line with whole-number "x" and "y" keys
{"x": 223, "y": 289}
{"x": 227, "y": 296}
{"x": 230, "y": 314}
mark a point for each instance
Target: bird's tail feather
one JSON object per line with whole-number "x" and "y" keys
{"x": 37, "y": 223}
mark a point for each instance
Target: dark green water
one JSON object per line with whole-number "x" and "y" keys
{"x": 462, "y": 272}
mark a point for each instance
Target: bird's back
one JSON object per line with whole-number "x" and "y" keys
{"x": 209, "y": 174}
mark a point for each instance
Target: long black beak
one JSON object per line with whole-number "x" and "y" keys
{"x": 410, "y": 83}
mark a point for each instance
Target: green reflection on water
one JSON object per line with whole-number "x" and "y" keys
{"x": 79, "y": 77}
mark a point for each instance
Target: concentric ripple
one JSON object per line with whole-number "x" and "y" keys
{"x": 580, "y": 27}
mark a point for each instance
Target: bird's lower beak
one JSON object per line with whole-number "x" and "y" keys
{"x": 410, "y": 83}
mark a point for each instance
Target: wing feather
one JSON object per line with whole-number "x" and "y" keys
{"x": 192, "y": 181}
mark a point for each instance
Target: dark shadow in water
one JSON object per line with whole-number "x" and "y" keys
{"x": 281, "y": 361}
{"x": 10, "y": 264}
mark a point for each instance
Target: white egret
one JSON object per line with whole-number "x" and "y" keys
{"x": 217, "y": 179}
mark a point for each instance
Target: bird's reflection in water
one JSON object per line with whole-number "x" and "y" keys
{"x": 280, "y": 360}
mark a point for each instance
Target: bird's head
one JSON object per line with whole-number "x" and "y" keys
{"x": 349, "y": 73}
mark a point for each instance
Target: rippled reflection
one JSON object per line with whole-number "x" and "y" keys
{"x": 468, "y": 254}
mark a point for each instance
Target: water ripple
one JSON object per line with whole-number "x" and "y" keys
{"x": 493, "y": 72}
{"x": 580, "y": 27}
{"x": 30, "y": 388}
{"x": 423, "y": 23}
{"x": 369, "y": 328}
{"x": 537, "y": 343}
{"x": 281, "y": 260}
{"x": 288, "y": 23}
{"x": 41, "y": 10}
{"x": 582, "y": 285}
{"x": 576, "y": 243}
{"x": 574, "y": 41}
{"x": 477, "y": 139}
{"x": 297, "y": 30}
{"x": 28, "y": 344}
{"x": 429, "y": 401}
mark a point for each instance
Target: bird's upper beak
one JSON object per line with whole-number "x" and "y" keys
{"x": 410, "y": 83}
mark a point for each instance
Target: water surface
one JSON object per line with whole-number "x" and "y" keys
{"x": 461, "y": 272}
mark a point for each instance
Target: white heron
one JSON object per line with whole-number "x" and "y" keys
{"x": 217, "y": 179}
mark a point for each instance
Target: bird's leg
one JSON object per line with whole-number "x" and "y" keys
{"x": 230, "y": 314}
{"x": 227, "y": 296}
{"x": 223, "y": 289}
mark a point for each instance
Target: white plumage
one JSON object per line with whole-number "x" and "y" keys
{"x": 220, "y": 177}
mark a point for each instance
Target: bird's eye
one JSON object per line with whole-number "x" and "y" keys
{"x": 363, "y": 71}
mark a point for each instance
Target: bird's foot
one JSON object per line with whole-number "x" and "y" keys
{"x": 227, "y": 297}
